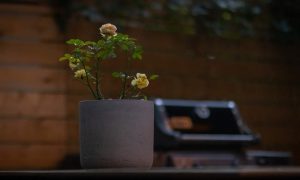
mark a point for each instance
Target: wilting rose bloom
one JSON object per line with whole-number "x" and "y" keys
{"x": 108, "y": 30}
{"x": 80, "y": 74}
{"x": 140, "y": 81}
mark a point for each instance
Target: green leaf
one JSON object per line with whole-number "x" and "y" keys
{"x": 90, "y": 43}
{"x": 145, "y": 97}
{"x": 124, "y": 47}
{"x": 136, "y": 56}
{"x": 62, "y": 58}
{"x": 100, "y": 43}
{"x": 117, "y": 74}
{"x": 76, "y": 42}
{"x": 137, "y": 53}
{"x": 107, "y": 53}
{"x": 88, "y": 68}
{"x": 65, "y": 57}
{"x": 153, "y": 77}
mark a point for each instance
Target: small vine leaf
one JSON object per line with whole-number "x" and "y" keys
{"x": 145, "y": 97}
{"x": 65, "y": 57}
{"x": 153, "y": 77}
{"x": 76, "y": 42}
{"x": 117, "y": 74}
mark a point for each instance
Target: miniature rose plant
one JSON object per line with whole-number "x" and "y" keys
{"x": 86, "y": 57}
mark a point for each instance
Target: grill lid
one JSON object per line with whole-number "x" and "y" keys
{"x": 180, "y": 123}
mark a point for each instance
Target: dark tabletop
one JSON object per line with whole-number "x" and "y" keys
{"x": 171, "y": 173}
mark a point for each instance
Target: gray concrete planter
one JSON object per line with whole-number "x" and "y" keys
{"x": 116, "y": 133}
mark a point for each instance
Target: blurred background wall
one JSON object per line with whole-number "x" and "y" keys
{"x": 39, "y": 98}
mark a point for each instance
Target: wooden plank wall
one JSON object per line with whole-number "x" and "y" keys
{"x": 32, "y": 88}
{"x": 39, "y": 97}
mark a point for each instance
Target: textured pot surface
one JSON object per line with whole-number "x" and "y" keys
{"x": 116, "y": 133}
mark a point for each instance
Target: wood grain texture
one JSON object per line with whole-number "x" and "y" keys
{"x": 20, "y": 78}
{"x": 30, "y": 156}
{"x": 34, "y": 131}
{"x": 34, "y": 105}
{"x": 17, "y": 52}
{"x": 29, "y": 27}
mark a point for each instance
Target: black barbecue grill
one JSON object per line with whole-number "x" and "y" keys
{"x": 195, "y": 133}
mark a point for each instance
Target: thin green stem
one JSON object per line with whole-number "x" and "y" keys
{"x": 99, "y": 94}
{"x": 88, "y": 81}
{"x": 128, "y": 90}
{"x": 124, "y": 86}
{"x": 123, "y": 91}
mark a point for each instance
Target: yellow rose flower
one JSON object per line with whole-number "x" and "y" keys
{"x": 80, "y": 74}
{"x": 108, "y": 30}
{"x": 140, "y": 81}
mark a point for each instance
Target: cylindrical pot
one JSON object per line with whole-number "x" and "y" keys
{"x": 116, "y": 133}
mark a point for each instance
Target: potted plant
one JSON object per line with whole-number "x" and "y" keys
{"x": 113, "y": 132}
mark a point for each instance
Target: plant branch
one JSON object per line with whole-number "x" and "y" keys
{"x": 99, "y": 94}
{"x": 88, "y": 82}
{"x": 128, "y": 90}
{"x": 124, "y": 86}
